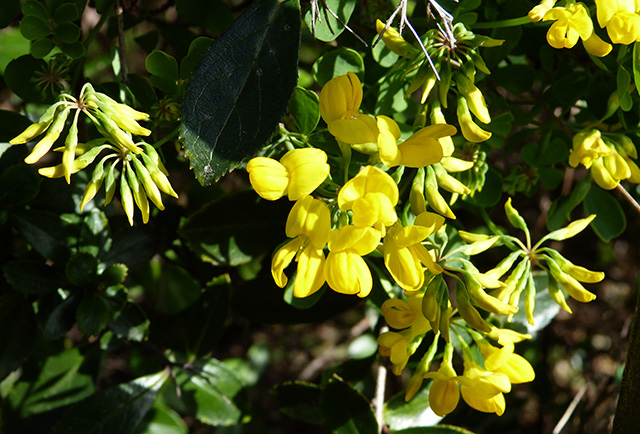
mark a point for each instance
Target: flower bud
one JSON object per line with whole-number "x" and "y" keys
{"x": 571, "y": 285}
{"x": 395, "y": 42}
{"x": 139, "y": 195}
{"x": 556, "y": 294}
{"x": 448, "y": 182}
{"x": 416, "y": 194}
{"x": 110, "y": 184}
{"x": 433, "y": 196}
{"x": 469, "y": 313}
{"x": 126, "y": 198}
{"x": 470, "y": 130}
{"x": 94, "y": 184}
{"x": 149, "y": 186}
{"x": 39, "y": 127}
{"x": 530, "y": 299}
{"x": 474, "y": 97}
{"x": 571, "y": 230}
{"x": 44, "y": 145}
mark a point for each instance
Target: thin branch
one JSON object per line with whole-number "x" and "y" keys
{"x": 381, "y": 382}
{"x": 567, "y": 414}
{"x": 628, "y": 197}
{"x": 122, "y": 50}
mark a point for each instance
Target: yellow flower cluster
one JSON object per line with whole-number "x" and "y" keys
{"x": 607, "y": 157}
{"x": 621, "y": 18}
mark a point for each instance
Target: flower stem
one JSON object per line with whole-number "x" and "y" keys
{"x": 628, "y": 197}
{"x": 503, "y": 23}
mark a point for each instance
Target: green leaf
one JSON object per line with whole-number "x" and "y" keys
{"x": 36, "y": 8}
{"x": 197, "y": 48}
{"x": 41, "y": 47}
{"x": 491, "y": 191}
{"x": 117, "y": 410}
{"x": 399, "y": 415}
{"x": 545, "y": 153}
{"x": 143, "y": 91}
{"x": 304, "y": 108}
{"x": 209, "y": 390}
{"x": 235, "y": 236}
{"x": 240, "y": 89}
{"x": 514, "y": 78}
{"x": 81, "y": 269}
{"x": 148, "y": 41}
{"x": 32, "y": 277}
{"x": 214, "y": 15}
{"x": 346, "y": 410}
{"x": 59, "y": 381}
{"x": 133, "y": 247}
{"x": 164, "y": 71}
{"x": 161, "y": 420}
{"x": 93, "y": 314}
{"x": 74, "y": 50}
{"x": 338, "y": 62}
{"x": 208, "y": 318}
{"x": 33, "y": 27}
{"x": 327, "y": 27}
{"x": 299, "y": 400}
{"x": 68, "y": 32}
{"x": 610, "y": 220}
{"x": 62, "y": 318}
{"x": 19, "y": 331}
{"x": 636, "y": 65}
{"x": 12, "y": 124}
{"x": 623, "y": 81}
{"x": 18, "y": 184}
{"x": 130, "y": 323}
{"x": 178, "y": 290}
{"x": 19, "y": 76}
{"x": 382, "y": 54}
{"x": 65, "y": 12}
{"x": 114, "y": 274}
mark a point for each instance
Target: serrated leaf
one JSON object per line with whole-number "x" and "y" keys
{"x": 610, "y": 220}
{"x": 117, "y": 410}
{"x": 210, "y": 390}
{"x": 299, "y": 400}
{"x": 347, "y": 410}
{"x": 19, "y": 330}
{"x": 93, "y": 314}
{"x": 57, "y": 383}
{"x": 114, "y": 274}
{"x": 240, "y": 89}
{"x": 32, "y": 277}
{"x": 304, "y": 108}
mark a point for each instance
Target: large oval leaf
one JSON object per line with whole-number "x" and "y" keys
{"x": 241, "y": 88}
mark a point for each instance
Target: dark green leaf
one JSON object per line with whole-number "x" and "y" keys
{"x": 338, "y": 62}
{"x": 304, "y": 108}
{"x": 197, "y": 49}
{"x": 545, "y": 153}
{"x": 59, "y": 382}
{"x": 208, "y": 318}
{"x": 36, "y": 8}
{"x": 8, "y": 11}
{"x": 610, "y": 220}
{"x": 62, "y": 318}
{"x": 19, "y": 331}
{"x": 500, "y": 127}
{"x": 93, "y": 314}
{"x": 81, "y": 269}
{"x": 162, "y": 65}
{"x": 143, "y": 91}
{"x": 491, "y": 191}
{"x": 32, "y": 277}
{"x": 346, "y": 410}
{"x": 74, "y": 50}
{"x": 114, "y": 274}
{"x": 117, "y": 410}
{"x": 177, "y": 290}
{"x": 211, "y": 391}
{"x": 327, "y": 27}
{"x": 65, "y": 12}
{"x": 11, "y": 124}
{"x": 299, "y": 400}
{"x": 41, "y": 47}
{"x": 133, "y": 247}
{"x": 19, "y": 76}
{"x": 227, "y": 232}
{"x": 353, "y": 370}
{"x": 33, "y": 27}
{"x": 148, "y": 41}
{"x": 130, "y": 323}
{"x": 240, "y": 89}
{"x": 514, "y": 78}
{"x": 18, "y": 185}
{"x": 399, "y": 414}
{"x": 550, "y": 177}
{"x": 161, "y": 420}
{"x": 68, "y": 32}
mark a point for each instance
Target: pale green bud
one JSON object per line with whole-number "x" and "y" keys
{"x": 44, "y": 145}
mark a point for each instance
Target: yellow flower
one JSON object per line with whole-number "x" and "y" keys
{"x": 444, "y": 393}
{"x": 395, "y": 42}
{"x": 309, "y": 224}
{"x": 621, "y": 19}
{"x": 537, "y": 13}
{"x": 298, "y": 173}
{"x": 419, "y": 150}
{"x": 571, "y": 23}
{"x": 404, "y": 254}
{"x": 340, "y": 101}
{"x": 345, "y": 270}
{"x": 504, "y": 360}
{"x": 397, "y": 346}
{"x": 483, "y": 390}
{"x": 372, "y": 195}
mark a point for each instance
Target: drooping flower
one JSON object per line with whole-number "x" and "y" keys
{"x": 504, "y": 360}
{"x": 404, "y": 255}
{"x": 372, "y": 195}
{"x": 345, "y": 271}
{"x": 298, "y": 173}
{"x": 538, "y": 11}
{"x": 419, "y": 150}
{"x": 308, "y": 224}
{"x": 482, "y": 389}
{"x": 571, "y": 24}
{"x": 340, "y": 101}
{"x": 444, "y": 393}
{"x": 621, "y": 19}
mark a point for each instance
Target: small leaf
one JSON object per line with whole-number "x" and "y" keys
{"x": 178, "y": 290}
{"x": 117, "y": 410}
{"x": 114, "y": 274}
{"x": 93, "y": 314}
{"x": 299, "y": 400}
{"x": 32, "y": 277}
{"x": 33, "y": 27}
{"x": 19, "y": 76}
{"x": 197, "y": 48}
{"x": 338, "y": 62}
{"x": 346, "y": 410}
{"x": 163, "y": 67}
{"x": 65, "y": 12}
{"x": 41, "y": 47}
{"x": 74, "y": 50}
{"x": 240, "y": 89}
{"x": 62, "y": 318}
{"x": 304, "y": 108}
{"x": 130, "y": 323}
{"x": 610, "y": 220}
{"x": 35, "y": 8}
{"x": 81, "y": 269}
{"x": 327, "y": 27}
{"x": 68, "y": 32}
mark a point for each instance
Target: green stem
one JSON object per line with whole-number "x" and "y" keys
{"x": 503, "y": 23}
{"x": 166, "y": 138}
